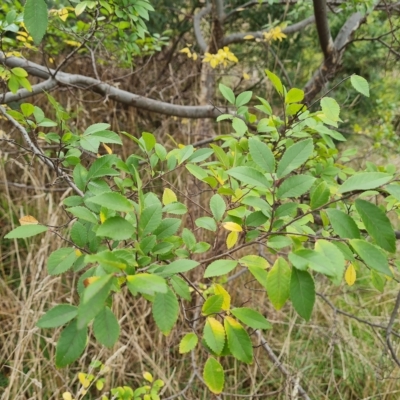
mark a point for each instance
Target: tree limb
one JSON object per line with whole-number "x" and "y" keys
{"x": 21, "y": 94}
{"x": 324, "y": 33}
{"x": 196, "y": 27}
{"x": 240, "y": 37}
{"x": 111, "y": 92}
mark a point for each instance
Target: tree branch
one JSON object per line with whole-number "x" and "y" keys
{"x": 111, "y": 92}
{"x": 324, "y": 33}
{"x": 21, "y": 94}
{"x": 35, "y": 150}
{"x": 196, "y": 27}
{"x": 239, "y": 36}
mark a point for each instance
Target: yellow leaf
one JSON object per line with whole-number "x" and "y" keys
{"x": 63, "y": 14}
{"x": 148, "y": 376}
{"x": 67, "y": 396}
{"x": 168, "y": 197}
{"x": 78, "y": 253}
{"x": 194, "y": 56}
{"x": 108, "y": 149}
{"x": 28, "y": 220}
{"x": 246, "y": 76}
{"x": 231, "y": 239}
{"x": 102, "y": 217}
{"x": 85, "y": 382}
{"x": 72, "y": 43}
{"x": 248, "y": 37}
{"x": 232, "y": 226}
{"x": 100, "y": 384}
{"x": 226, "y": 304}
{"x": 350, "y": 275}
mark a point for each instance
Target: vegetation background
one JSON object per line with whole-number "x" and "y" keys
{"x": 341, "y": 353}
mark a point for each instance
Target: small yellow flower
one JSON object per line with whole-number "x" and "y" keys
{"x": 274, "y": 34}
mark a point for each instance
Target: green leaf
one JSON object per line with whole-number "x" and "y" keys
{"x": 167, "y": 228}
{"x": 260, "y": 274}
{"x": 334, "y": 257}
{"x": 276, "y": 82}
{"x": 330, "y": 108}
{"x": 214, "y": 335}
{"x": 243, "y": 98}
{"x": 93, "y": 299}
{"x": 61, "y": 260}
{"x": 214, "y": 376}
{"x": 394, "y": 190}
{"x": 188, "y": 238}
{"x": 149, "y": 140}
{"x": 146, "y": 283}
{"x": 294, "y": 157}
{"x": 106, "y": 327}
{"x": 57, "y": 316}
{"x": 150, "y": 219}
{"x": 165, "y": 311}
{"x": 96, "y": 128}
{"x": 181, "y": 287}
{"x": 83, "y": 213}
{"x": 239, "y": 126}
{"x": 239, "y": 342}
{"x": 378, "y": 280}
{"x": 294, "y": 95}
{"x": 360, "y": 84}
{"x": 256, "y": 218}
{"x": 35, "y": 19}
{"x": 302, "y": 293}
{"x": 116, "y": 228}
{"x": 101, "y": 167}
{"x": 217, "y": 206}
{"x": 372, "y": 256}
{"x": 80, "y": 176}
{"x": 188, "y": 343}
{"x": 295, "y": 186}
{"x": 227, "y": 93}
{"x": 213, "y": 304}
{"x": 377, "y": 224}
{"x": 251, "y": 318}
{"x": 365, "y": 181}
{"x": 176, "y": 208}
{"x": 278, "y": 283}
{"x": 219, "y": 267}
{"x": 343, "y": 224}
{"x": 176, "y": 267}
{"x": 206, "y": 223}
{"x": 71, "y": 344}
{"x": 320, "y": 195}
{"x": 79, "y": 234}
{"x": 304, "y": 258}
{"x": 112, "y": 201}
{"x": 262, "y": 155}
{"x": 25, "y": 231}
{"x": 249, "y": 176}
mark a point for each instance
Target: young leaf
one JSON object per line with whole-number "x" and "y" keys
{"x": 61, "y": 260}
{"x": 249, "y": 176}
{"x": 57, "y": 316}
{"x": 188, "y": 343}
{"x": 165, "y": 311}
{"x": 243, "y": 98}
{"x": 262, "y": 155}
{"x": 168, "y": 197}
{"x": 214, "y": 335}
{"x": 276, "y": 82}
{"x": 116, "y": 228}
{"x": 25, "y": 231}
{"x": 295, "y": 186}
{"x": 227, "y": 93}
{"x": 226, "y": 304}
{"x": 35, "y": 19}
{"x": 372, "y": 255}
{"x": 219, "y": 267}
{"x": 343, "y": 224}
{"x": 251, "y": 318}
{"x": 334, "y": 257}
{"x": 112, "y": 201}
{"x": 238, "y": 340}
{"x": 294, "y": 95}
{"x": 330, "y": 108}
{"x": 213, "y": 304}
{"x": 217, "y": 206}
{"x": 365, "y": 181}
{"x": 70, "y": 345}
{"x": 360, "y": 84}
{"x": 83, "y": 213}
{"x": 377, "y": 224}
{"x": 106, "y": 327}
{"x": 214, "y": 376}
{"x": 146, "y": 283}
{"x": 278, "y": 283}
{"x": 294, "y": 156}
{"x": 93, "y": 299}
{"x": 302, "y": 292}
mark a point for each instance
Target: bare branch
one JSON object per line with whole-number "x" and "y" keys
{"x": 389, "y": 329}
{"x": 219, "y": 5}
{"x": 324, "y": 33}
{"x": 240, "y": 37}
{"x": 35, "y": 150}
{"x": 46, "y": 86}
{"x": 196, "y": 27}
{"x": 280, "y": 366}
{"x": 111, "y": 92}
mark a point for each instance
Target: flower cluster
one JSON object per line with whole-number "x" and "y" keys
{"x": 274, "y": 34}
{"x": 190, "y": 54}
{"x": 222, "y": 57}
